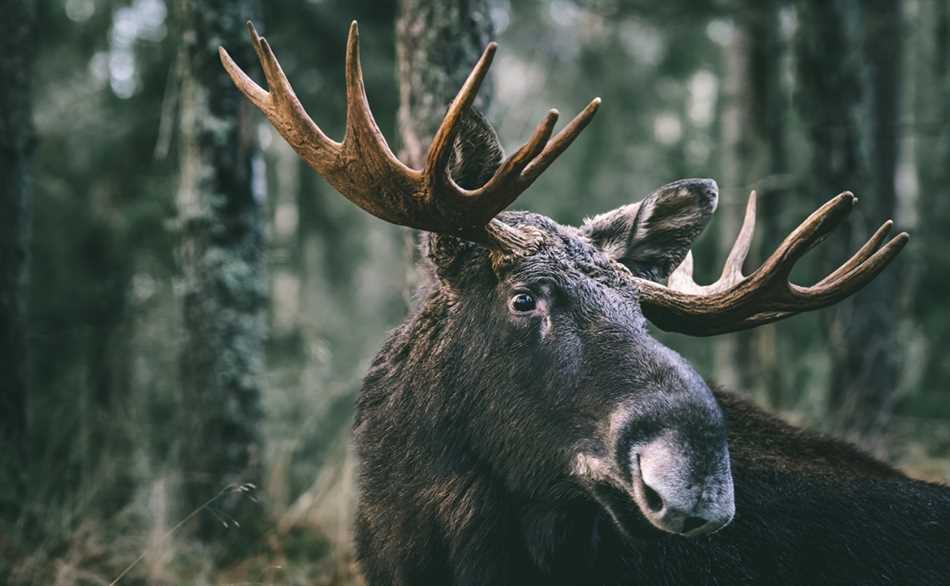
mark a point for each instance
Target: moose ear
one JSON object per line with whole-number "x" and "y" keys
{"x": 653, "y": 236}
{"x": 476, "y": 152}
{"x": 476, "y": 155}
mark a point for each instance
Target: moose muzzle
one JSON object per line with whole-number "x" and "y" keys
{"x": 675, "y": 494}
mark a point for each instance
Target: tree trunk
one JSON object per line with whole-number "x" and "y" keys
{"x": 753, "y": 157}
{"x": 220, "y": 202}
{"x": 933, "y": 164}
{"x": 732, "y": 178}
{"x": 16, "y": 153}
{"x": 851, "y": 117}
{"x": 437, "y": 44}
{"x": 868, "y": 371}
{"x": 768, "y": 153}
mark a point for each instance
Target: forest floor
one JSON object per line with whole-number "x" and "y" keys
{"x": 98, "y": 551}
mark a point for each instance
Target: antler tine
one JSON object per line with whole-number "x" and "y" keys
{"x": 247, "y": 86}
{"x": 766, "y": 295}
{"x": 273, "y": 73}
{"x": 281, "y": 105}
{"x": 681, "y": 279}
{"x": 807, "y": 298}
{"x": 560, "y": 142}
{"x": 505, "y": 185}
{"x": 808, "y": 234}
{"x": 732, "y": 268}
{"x": 520, "y": 170}
{"x": 516, "y": 163}
{"x": 364, "y": 169}
{"x": 437, "y": 158}
{"x": 362, "y": 132}
{"x": 860, "y": 256}
{"x": 829, "y": 291}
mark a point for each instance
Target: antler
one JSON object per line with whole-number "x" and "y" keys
{"x": 737, "y": 302}
{"x": 365, "y": 171}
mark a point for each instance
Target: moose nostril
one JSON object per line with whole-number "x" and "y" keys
{"x": 653, "y": 499}
{"x": 692, "y": 523}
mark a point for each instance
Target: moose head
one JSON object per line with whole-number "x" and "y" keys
{"x": 529, "y": 357}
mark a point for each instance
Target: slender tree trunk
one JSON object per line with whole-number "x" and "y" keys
{"x": 933, "y": 163}
{"x": 851, "y": 115}
{"x": 437, "y": 43}
{"x": 869, "y": 370}
{"x": 768, "y": 151}
{"x": 220, "y": 201}
{"x": 732, "y": 178}
{"x": 753, "y": 154}
{"x": 16, "y": 154}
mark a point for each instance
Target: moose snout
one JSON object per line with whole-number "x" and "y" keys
{"x": 679, "y": 495}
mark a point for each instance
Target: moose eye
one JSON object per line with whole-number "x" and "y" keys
{"x": 523, "y": 302}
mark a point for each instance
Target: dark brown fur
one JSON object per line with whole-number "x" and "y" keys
{"x": 471, "y": 416}
{"x": 759, "y": 439}
{"x": 454, "y": 488}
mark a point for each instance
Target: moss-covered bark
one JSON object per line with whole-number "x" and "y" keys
{"x": 16, "y": 149}
{"x": 437, "y": 43}
{"x": 221, "y": 221}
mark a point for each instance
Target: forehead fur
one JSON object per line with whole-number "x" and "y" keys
{"x": 564, "y": 249}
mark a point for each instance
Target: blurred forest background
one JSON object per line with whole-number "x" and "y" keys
{"x": 187, "y": 309}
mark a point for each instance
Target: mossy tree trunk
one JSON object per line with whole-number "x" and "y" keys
{"x": 220, "y": 206}
{"x": 437, "y": 44}
{"x": 16, "y": 154}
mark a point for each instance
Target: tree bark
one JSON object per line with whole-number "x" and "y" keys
{"x": 437, "y": 44}
{"x": 753, "y": 157}
{"x": 16, "y": 155}
{"x": 851, "y": 115}
{"x": 768, "y": 153}
{"x": 733, "y": 172}
{"x": 933, "y": 164}
{"x": 220, "y": 200}
{"x": 867, "y": 372}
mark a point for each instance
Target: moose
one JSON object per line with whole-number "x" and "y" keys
{"x": 522, "y": 426}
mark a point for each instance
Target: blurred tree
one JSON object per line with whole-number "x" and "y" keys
{"x": 106, "y": 326}
{"x": 220, "y": 199}
{"x": 16, "y": 154}
{"x": 933, "y": 163}
{"x": 753, "y": 157}
{"x": 336, "y": 261}
{"x": 735, "y": 170}
{"x": 867, "y": 374}
{"x": 849, "y": 55}
{"x": 437, "y": 43}
{"x": 768, "y": 153}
